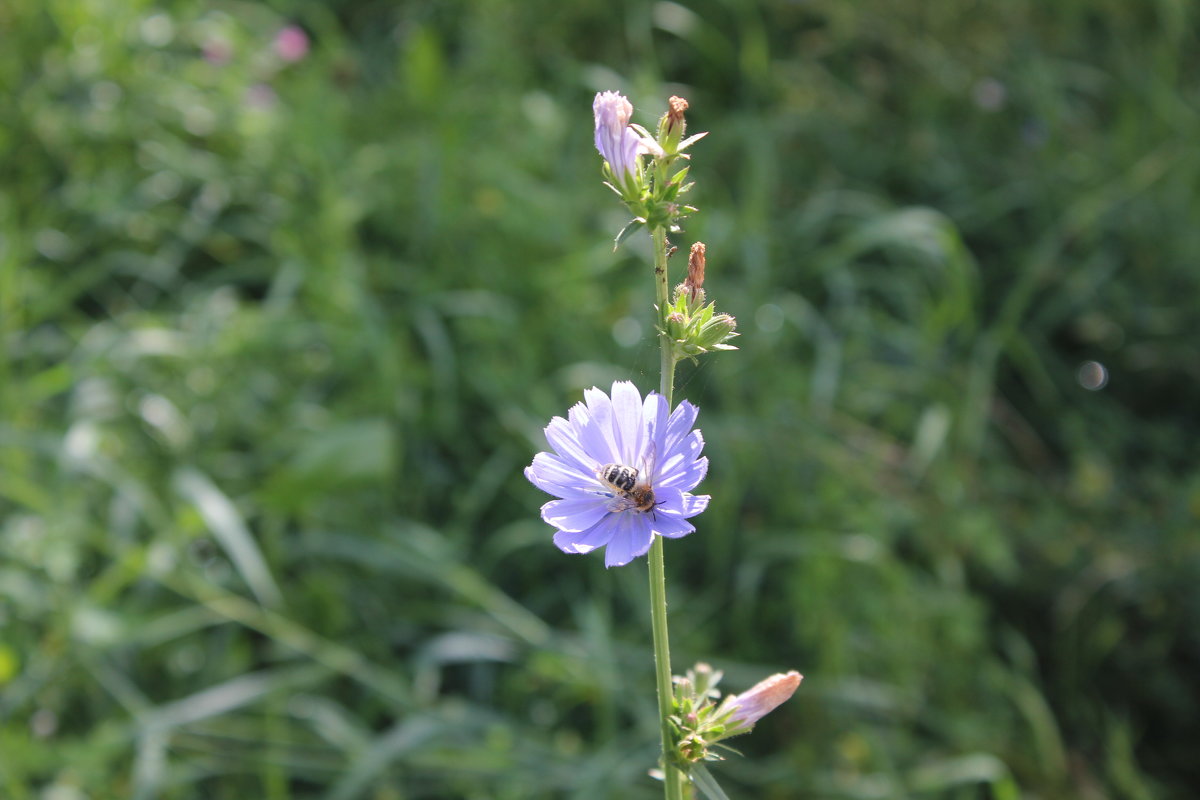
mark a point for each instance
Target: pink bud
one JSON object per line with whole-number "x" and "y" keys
{"x": 752, "y": 705}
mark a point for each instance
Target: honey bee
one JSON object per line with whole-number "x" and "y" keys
{"x": 629, "y": 484}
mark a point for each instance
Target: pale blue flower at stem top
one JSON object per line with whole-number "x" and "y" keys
{"x": 623, "y": 469}
{"x": 619, "y": 143}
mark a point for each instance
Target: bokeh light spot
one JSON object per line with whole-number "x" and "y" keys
{"x": 627, "y": 331}
{"x": 1092, "y": 375}
{"x": 769, "y": 317}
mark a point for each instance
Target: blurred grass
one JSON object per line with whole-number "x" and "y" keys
{"x": 279, "y": 337}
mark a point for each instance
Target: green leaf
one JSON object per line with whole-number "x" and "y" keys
{"x": 706, "y": 783}
{"x": 626, "y": 232}
{"x": 228, "y": 527}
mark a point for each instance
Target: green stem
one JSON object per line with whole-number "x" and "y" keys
{"x": 662, "y": 664}
{"x": 666, "y": 383}
{"x": 673, "y": 778}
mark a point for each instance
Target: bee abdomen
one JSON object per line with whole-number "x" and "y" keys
{"x": 620, "y": 476}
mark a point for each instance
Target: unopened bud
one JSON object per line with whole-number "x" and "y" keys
{"x": 692, "y": 323}
{"x": 671, "y": 127}
{"x": 763, "y": 698}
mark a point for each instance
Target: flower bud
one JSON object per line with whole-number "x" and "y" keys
{"x": 701, "y": 720}
{"x": 695, "y": 277}
{"x": 672, "y": 125}
{"x": 705, "y": 679}
{"x": 621, "y": 144}
{"x": 692, "y": 326}
{"x": 764, "y": 697}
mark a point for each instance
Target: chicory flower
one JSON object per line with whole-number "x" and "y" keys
{"x": 623, "y": 469}
{"x": 618, "y": 142}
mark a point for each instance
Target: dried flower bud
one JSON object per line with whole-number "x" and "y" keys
{"x": 695, "y": 276}
{"x": 692, "y": 286}
{"x": 676, "y": 106}
{"x": 672, "y": 125}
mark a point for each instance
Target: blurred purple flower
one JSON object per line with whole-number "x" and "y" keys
{"x": 291, "y": 43}
{"x": 623, "y": 470}
{"x": 618, "y": 143}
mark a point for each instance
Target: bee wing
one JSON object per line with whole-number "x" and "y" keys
{"x": 649, "y": 464}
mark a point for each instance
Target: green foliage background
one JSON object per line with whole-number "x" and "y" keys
{"x": 279, "y": 337}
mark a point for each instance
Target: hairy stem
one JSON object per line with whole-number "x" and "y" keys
{"x": 673, "y": 779}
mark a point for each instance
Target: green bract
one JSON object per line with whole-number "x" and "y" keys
{"x": 694, "y": 327}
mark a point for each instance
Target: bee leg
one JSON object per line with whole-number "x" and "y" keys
{"x": 654, "y": 513}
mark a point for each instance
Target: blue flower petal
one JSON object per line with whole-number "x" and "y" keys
{"x": 552, "y": 475}
{"x": 597, "y": 435}
{"x": 681, "y": 422}
{"x": 672, "y": 526}
{"x": 684, "y": 478}
{"x": 655, "y": 413}
{"x": 632, "y": 538}
{"x": 627, "y": 422}
{"x": 690, "y": 446}
{"x": 564, "y": 438}
{"x": 577, "y": 415}
{"x": 575, "y": 514}
{"x": 693, "y": 504}
{"x": 586, "y": 541}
